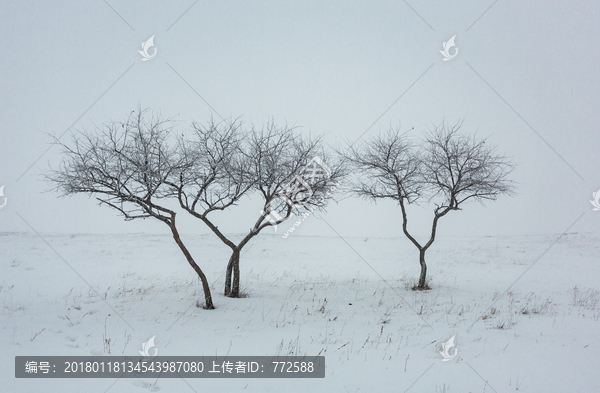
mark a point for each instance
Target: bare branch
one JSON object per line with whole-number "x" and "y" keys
{"x": 387, "y": 167}
{"x": 125, "y": 164}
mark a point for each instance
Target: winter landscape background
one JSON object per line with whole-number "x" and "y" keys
{"x": 514, "y": 280}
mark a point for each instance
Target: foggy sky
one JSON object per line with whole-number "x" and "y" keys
{"x": 526, "y": 76}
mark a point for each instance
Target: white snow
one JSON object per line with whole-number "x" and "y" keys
{"x": 311, "y": 295}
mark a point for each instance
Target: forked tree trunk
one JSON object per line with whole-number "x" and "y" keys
{"x": 423, "y": 275}
{"x": 207, "y": 296}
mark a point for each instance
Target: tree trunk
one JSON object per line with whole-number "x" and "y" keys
{"x": 207, "y": 296}
{"x": 423, "y": 275}
{"x": 228, "y": 272}
{"x": 235, "y": 290}
{"x": 233, "y": 268}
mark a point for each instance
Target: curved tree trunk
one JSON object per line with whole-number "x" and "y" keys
{"x": 207, "y": 296}
{"x": 423, "y": 275}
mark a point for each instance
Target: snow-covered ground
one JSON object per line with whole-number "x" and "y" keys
{"x": 350, "y": 302}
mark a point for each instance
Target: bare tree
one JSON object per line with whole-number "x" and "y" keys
{"x": 213, "y": 178}
{"x": 449, "y": 168}
{"x": 227, "y": 162}
{"x": 292, "y": 174}
{"x": 128, "y": 166}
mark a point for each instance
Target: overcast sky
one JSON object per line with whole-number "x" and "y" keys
{"x": 526, "y": 76}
